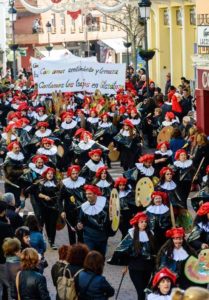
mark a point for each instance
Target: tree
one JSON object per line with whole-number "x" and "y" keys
{"x": 128, "y": 20}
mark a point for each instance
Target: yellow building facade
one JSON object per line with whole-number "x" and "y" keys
{"x": 172, "y": 31}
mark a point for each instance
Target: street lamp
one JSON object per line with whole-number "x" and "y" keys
{"x": 49, "y": 47}
{"x": 13, "y": 17}
{"x": 145, "y": 9}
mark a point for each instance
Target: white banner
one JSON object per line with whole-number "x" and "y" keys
{"x": 67, "y": 76}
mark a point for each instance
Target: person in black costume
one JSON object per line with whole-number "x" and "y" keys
{"x": 104, "y": 181}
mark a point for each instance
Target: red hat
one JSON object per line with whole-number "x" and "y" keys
{"x": 93, "y": 110}
{"x": 128, "y": 123}
{"x": 175, "y": 232}
{"x": 134, "y": 110}
{"x": 122, "y": 109}
{"x": 105, "y": 114}
{"x": 79, "y": 131}
{"x": 42, "y": 124}
{"x": 73, "y": 168}
{"x": 92, "y": 188}
{"x": 141, "y": 216}
{"x": 47, "y": 141}
{"x": 66, "y": 114}
{"x": 95, "y": 151}
{"x": 37, "y": 156}
{"x": 163, "y": 273}
{"x": 207, "y": 169}
{"x": 170, "y": 115}
{"x": 23, "y": 106}
{"x": 120, "y": 91}
{"x": 13, "y": 115}
{"x": 146, "y": 157}
{"x": 100, "y": 170}
{"x": 20, "y": 122}
{"x": 163, "y": 195}
{"x": 164, "y": 170}
{"x": 10, "y": 127}
{"x": 46, "y": 171}
{"x": 120, "y": 180}
{"x": 203, "y": 210}
{"x": 12, "y": 144}
{"x": 178, "y": 152}
{"x": 40, "y": 109}
{"x": 134, "y": 92}
{"x": 85, "y": 132}
{"x": 163, "y": 143}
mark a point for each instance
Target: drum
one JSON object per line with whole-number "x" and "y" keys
{"x": 143, "y": 191}
{"x": 185, "y": 220}
{"x": 165, "y": 134}
{"x": 114, "y": 210}
{"x": 113, "y": 154}
{"x": 197, "y": 269}
{"x": 60, "y": 223}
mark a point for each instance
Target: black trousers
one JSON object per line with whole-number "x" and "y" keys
{"x": 72, "y": 218}
{"x": 37, "y": 209}
{"x": 49, "y": 218}
{"x": 140, "y": 279}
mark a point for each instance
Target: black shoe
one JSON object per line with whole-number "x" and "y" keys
{"x": 54, "y": 247}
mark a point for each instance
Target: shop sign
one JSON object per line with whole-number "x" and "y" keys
{"x": 203, "y": 36}
{"x": 203, "y": 79}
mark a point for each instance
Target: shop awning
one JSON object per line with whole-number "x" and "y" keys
{"x": 41, "y": 52}
{"x": 116, "y": 44}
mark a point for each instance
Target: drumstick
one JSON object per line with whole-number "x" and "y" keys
{"x": 198, "y": 170}
{"x": 172, "y": 216}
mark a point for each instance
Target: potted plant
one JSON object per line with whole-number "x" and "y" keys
{"x": 147, "y": 54}
{"x": 13, "y": 47}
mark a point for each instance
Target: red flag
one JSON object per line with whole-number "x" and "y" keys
{"x": 74, "y": 14}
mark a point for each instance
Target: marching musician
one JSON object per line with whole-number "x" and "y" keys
{"x": 94, "y": 219}
{"x": 49, "y": 149}
{"x": 71, "y": 198}
{"x": 104, "y": 181}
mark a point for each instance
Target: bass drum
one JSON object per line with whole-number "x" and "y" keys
{"x": 113, "y": 154}
{"x": 143, "y": 191}
{"x": 165, "y": 134}
{"x": 114, "y": 210}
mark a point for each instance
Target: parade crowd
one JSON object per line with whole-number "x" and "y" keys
{"x": 56, "y": 153}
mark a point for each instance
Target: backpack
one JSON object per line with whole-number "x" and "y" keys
{"x": 66, "y": 286}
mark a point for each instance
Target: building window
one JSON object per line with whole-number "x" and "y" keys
{"x": 73, "y": 26}
{"x": 53, "y": 22}
{"x": 179, "y": 17}
{"x": 104, "y": 23}
{"x": 193, "y": 16}
{"x": 82, "y": 24}
{"x": 62, "y": 23}
{"x": 166, "y": 17}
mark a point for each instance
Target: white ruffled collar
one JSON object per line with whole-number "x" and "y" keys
{"x": 103, "y": 183}
{"x": 40, "y": 134}
{"x": 180, "y": 254}
{"x": 135, "y": 121}
{"x": 40, "y": 118}
{"x": 71, "y": 184}
{"x": 153, "y": 296}
{"x": 205, "y": 227}
{"x": 70, "y": 125}
{"x": 168, "y": 153}
{"x": 105, "y": 125}
{"x": 124, "y": 132}
{"x": 93, "y": 120}
{"x": 169, "y": 123}
{"x": 27, "y": 128}
{"x": 168, "y": 185}
{"x": 183, "y": 164}
{"x": 49, "y": 152}
{"x": 49, "y": 183}
{"x": 94, "y": 209}
{"x": 146, "y": 171}
{"x": 94, "y": 167}
{"x": 143, "y": 237}
{"x": 4, "y": 136}
{"x": 14, "y": 156}
{"x": 85, "y": 146}
{"x": 33, "y": 167}
{"x": 123, "y": 194}
{"x": 158, "y": 209}
{"x": 205, "y": 178}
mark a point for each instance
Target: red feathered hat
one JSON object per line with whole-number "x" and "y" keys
{"x": 128, "y": 123}
{"x": 73, "y": 168}
{"x": 105, "y": 114}
{"x": 40, "y": 156}
{"x": 100, "y": 170}
{"x": 40, "y": 109}
{"x": 163, "y": 273}
{"x": 203, "y": 210}
{"x": 79, "y": 131}
{"x": 95, "y": 151}
{"x": 93, "y": 110}
{"x": 66, "y": 114}
{"x": 13, "y": 115}
{"x": 85, "y": 132}
{"x": 141, "y": 216}
{"x": 47, "y": 141}
{"x": 163, "y": 143}
{"x": 178, "y": 152}
{"x": 170, "y": 115}
{"x": 42, "y": 124}
{"x": 120, "y": 180}
{"x": 163, "y": 195}
{"x": 10, "y": 127}
{"x": 92, "y": 188}
{"x": 12, "y": 144}
{"x": 23, "y": 106}
{"x": 175, "y": 232}
{"x": 47, "y": 171}
{"x": 164, "y": 170}
{"x": 146, "y": 157}
{"x": 122, "y": 110}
